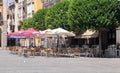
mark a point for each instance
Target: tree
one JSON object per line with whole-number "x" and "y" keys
{"x": 93, "y": 14}
{"x": 98, "y": 15}
{"x": 77, "y": 15}
{"x": 39, "y": 19}
{"x": 28, "y": 23}
{"x": 57, "y": 15}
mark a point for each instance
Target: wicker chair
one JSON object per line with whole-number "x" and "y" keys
{"x": 91, "y": 53}
{"x": 28, "y": 52}
{"x": 16, "y": 50}
{"x": 32, "y": 51}
{"x": 49, "y": 52}
{"x": 11, "y": 49}
{"x": 55, "y": 51}
{"x": 20, "y": 51}
{"x": 43, "y": 52}
{"x": 37, "y": 51}
{"x": 77, "y": 52}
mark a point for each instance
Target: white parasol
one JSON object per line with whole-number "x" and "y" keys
{"x": 63, "y": 32}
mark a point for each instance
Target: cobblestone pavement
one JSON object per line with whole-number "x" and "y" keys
{"x": 10, "y": 63}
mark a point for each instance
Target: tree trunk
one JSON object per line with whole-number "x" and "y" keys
{"x": 100, "y": 42}
{"x": 103, "y": 41}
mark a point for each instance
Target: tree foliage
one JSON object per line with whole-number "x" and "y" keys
{"x": 77, "y": 15}
{"x": 93, "y": 14}
{"x": 28, "y": 23}
{"x": 39, "y": 19}
{"x": 57, "y": 15}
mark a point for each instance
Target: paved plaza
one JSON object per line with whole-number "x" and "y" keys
{"x": 10, "y": 63}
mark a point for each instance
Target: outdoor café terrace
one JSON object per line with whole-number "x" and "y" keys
{"x": 57, "y": 43}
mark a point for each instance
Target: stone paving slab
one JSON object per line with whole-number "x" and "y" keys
{"x": 10, "y": 63}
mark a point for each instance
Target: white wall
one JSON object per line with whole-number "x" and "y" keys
{"x": 16, "y": 16}
{"x": 118, "y": 35}
{"x": 20, "y": 10}
{"x": 30, "y": 9}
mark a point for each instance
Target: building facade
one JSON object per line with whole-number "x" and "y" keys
{"x": 11, "y": 17}
{"x": 3, "y": 23}
{"x": 1, "y": 18}
{"x": 19, "y": 10}
{"x": 26, "y": 9}
{"x": 30, "y": 8}
{"x": 38, "y": 5}
{"x": 49, "y": 3}
{"x": 1, "y": 9}
{"x": 23, "y": 9}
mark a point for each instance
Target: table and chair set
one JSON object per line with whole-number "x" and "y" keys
{"x": 112, "y": 51}
{"x": 84, "y": 51}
